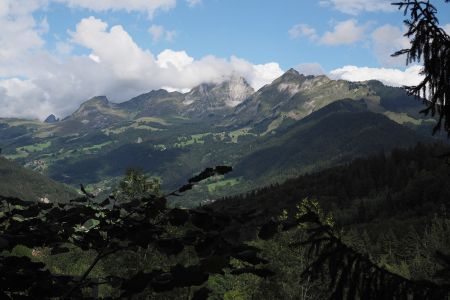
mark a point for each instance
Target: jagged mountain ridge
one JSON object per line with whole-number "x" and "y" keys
{"x": 289, "y": 98}
{"x": 295, "y": 124}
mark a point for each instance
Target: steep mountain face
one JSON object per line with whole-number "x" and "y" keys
{"x": 16, "y": 181}
{"x": 217, "y": 99}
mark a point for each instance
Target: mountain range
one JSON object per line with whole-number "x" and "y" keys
{"x": 294, "y": 125}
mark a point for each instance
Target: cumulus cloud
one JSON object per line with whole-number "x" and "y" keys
{"x": 20, "y": 31}
{"x": 310, "y": 69}
{"x": 263, "y": 74}
{"x": 386, "y": 40}
{"x": 177, "y": 59}
{"x": 38, "y": 83}
{"x": 303, "y": 30}
{"x": 391, "y": 77}
{"x": 344, "y": 33}
{"x": 355, "y": 7}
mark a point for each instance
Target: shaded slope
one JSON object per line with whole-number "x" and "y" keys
{"x": 16, "y": 181}
{"x": 396, "y": 190}
{"x": 335, "y": 134}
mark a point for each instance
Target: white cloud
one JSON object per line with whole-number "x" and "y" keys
{"x": 15, "y": 94}
{"x": 264, "y": 74}
{"x": 115, "y": 48}
{"x": 157, "y": 32}
{"x": 386, "y": 40}
{"x": 149, "y": 6}
{"x": 64, "y": 48}
{"x": 193, "y": 3}
{"x": 355, "y": 7}
{"x": 310, "y": 69}
{"x": 447, "y": 28}
{"x": 391, "y": 77}
{"x": 178, "y": 59}
{"x": 39, "y": 83}
{"x": 19, "y": 30}
{"x": 344, "y": 33}
{"x": 303, "y": 30}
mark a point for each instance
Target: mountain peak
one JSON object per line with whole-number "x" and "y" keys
{"x": 103, "y": 100}
{"x": 51, "y": 119}
{"x": 292, "y": 71}
{"x": 290, "y": 75}
{"x": 93, "y": 107}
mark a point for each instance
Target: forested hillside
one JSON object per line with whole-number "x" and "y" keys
{"x": 406, "y": 187}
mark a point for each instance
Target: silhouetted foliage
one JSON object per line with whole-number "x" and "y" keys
{"x": 430, "y": 44}
{"x": 111, "y": 227}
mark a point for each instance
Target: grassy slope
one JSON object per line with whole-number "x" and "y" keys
{"x": 17, "y": 181}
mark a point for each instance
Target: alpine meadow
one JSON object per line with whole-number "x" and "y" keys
{"x": 211, "y": 149}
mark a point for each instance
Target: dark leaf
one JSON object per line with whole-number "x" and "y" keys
{"x": 170, "y": 246}
{"x": 215, "y": 264}
{"x": 137, "y": 283}
{"x": 105, "y": 202}
{"x": 178, "y": 217}
{"x": 208, "y": 172}
{"x": 222, "y": 170}
{"x": 185, "y": 188}
{"x": 250, "y": 256}
{"x": 59, "y": 250}
{"x": 201, "y": 294}
{"x": 268, "y": 230}
{"x": 202, "y": 220}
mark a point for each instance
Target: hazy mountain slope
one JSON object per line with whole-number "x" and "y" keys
{"x": 16, "y": 181}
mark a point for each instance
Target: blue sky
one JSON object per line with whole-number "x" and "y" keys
{"x": 57, "y": 53}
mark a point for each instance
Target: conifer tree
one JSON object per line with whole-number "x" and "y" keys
{"x": 430, "y": 45}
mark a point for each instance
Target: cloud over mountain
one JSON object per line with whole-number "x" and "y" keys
{"x": 391, "y": 77}
{"x": 40, "y": 83}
